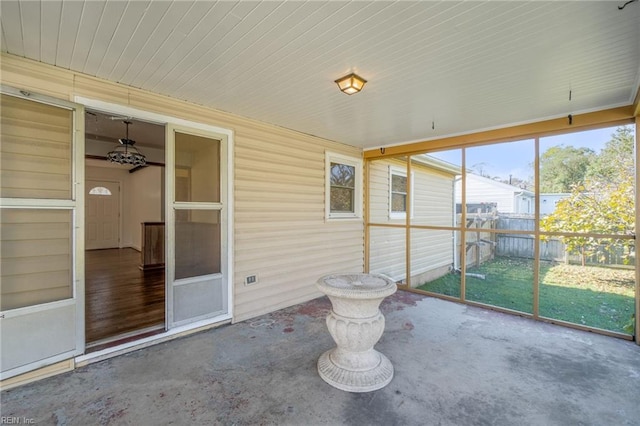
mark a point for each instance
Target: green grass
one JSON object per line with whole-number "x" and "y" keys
{"x": 593, "y": 296}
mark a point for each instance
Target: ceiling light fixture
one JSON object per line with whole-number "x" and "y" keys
{"x": 351, "y": 83}
{"x": 126, "y": 153}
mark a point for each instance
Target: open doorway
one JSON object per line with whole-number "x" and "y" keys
{"x": 124, "y": 233}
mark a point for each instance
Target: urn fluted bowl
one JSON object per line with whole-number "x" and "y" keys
{"x": 356, "y": 324}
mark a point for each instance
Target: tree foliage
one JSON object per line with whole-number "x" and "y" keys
{"x": 603, "y": 209}
{"x": 601, "y": 201}
{"x": 562, "y": 167}
{"x": 615, "y": 161}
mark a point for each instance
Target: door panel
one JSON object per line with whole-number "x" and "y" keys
{"x": 199, "y": 299}
{"x": 197, "y": 280}
{"x": 197, "y": 244}
{"x": 102, "y": 215}
{"x": 52, "y": 333}
{"x": 41, "y": 231}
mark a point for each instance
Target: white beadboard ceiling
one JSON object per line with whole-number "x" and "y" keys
{"x": 434, "y": 68}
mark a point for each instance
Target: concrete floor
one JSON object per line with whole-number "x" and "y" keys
{"x": 454, "y": 365}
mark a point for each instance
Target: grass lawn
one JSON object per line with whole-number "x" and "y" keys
{"x": 593, "y": 296}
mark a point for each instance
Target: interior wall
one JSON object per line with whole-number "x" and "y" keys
{"x": 145, "y": 201}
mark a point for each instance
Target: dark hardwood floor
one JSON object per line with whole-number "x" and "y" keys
{"x": 121, "y": 299}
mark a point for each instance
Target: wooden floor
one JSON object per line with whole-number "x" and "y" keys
{"x": 120, "y": 298}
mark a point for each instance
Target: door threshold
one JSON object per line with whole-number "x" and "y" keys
{"x": 120, "y": 339}
{"x": 162, "y": 336}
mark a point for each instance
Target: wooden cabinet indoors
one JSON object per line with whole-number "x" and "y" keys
{"x": 152, "y": 253}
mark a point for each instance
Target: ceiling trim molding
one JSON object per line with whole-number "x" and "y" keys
{"x": 586, "y": 121}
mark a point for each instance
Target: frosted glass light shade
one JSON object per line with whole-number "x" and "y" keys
{"x": 351, "y": 83}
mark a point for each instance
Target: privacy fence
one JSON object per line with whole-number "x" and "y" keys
{"x": 482, "y": 246}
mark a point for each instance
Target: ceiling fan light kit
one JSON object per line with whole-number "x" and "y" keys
{"x": 126, "y": 153}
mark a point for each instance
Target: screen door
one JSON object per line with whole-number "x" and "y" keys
{"x": 197, "y": 284}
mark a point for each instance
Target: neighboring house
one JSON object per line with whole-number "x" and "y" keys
{"x": 506, "y": 198}
{"x": 549, "y": 200}
{"x": 431, "y": 203}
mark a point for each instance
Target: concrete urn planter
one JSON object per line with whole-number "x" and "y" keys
{"x": 356, "y": 324}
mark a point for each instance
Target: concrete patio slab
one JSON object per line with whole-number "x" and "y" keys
{"x": 454, "y": 365}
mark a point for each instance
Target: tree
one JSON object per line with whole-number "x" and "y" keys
{"x": 615, "y": 161}
{"x": 562, "y": 167}
{"x": 603, "y": 209}
{"x": 601, "y": 202}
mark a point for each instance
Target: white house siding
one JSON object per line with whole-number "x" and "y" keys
{"x": 432, "y": 205}
{"x": 432, "y": 254}
{"x": 433, "y": 197}
{"x": 507, "y": 197}
{"x": 280, "y": 233}
{"x": 549, "y": 201}
{"x": 387, "y": 250}
{"x": 480, "y": 190}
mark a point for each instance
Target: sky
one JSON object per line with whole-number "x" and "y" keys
{"x": 516, "y": 158}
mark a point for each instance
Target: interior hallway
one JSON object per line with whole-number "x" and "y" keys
{"x": 454, "y": 365}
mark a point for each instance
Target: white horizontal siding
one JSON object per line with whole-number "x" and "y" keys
{"x": 432, "y": 205}
{"x": 478, "y": 190}
{"x": 280, "y": 233}
{"x": 433, "y": 198}
{"x": 387, "y": 252}
{"x": 379, "y": 187}
{"x": 431, "y": 250}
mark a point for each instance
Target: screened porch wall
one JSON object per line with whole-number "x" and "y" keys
{"x": 431, "y": 204}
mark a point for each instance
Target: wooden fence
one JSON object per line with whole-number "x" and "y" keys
{"x": 482, "y": 246}
{"x": 553, "y": 249}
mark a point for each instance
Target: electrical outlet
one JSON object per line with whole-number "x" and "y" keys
{"x": 251, "y": 280}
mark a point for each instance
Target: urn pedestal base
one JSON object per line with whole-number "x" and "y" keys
{"x": 355, "y": 380}
{"x": 356, "y": 324}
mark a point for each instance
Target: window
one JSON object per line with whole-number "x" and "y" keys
{"x": 398, "y": 193}
{"x": 343, "y": 186}
{"x": 99, "y": 190}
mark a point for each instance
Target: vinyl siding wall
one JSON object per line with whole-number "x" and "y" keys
{"x": 480, "y": 190}
{"x": 280, "y": 233}
{"x": 432, "y": 205}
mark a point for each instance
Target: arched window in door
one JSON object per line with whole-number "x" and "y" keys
{"x": 99, "y": 190}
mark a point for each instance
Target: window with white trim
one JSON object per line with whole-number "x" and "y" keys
{"x": 343, "y": 194}
{"x": 398, "y": 193}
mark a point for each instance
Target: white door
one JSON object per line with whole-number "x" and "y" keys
{"x": 41, "y": 238}
{"x": 102, "y": 214}
{"x": 196, "y": 233}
